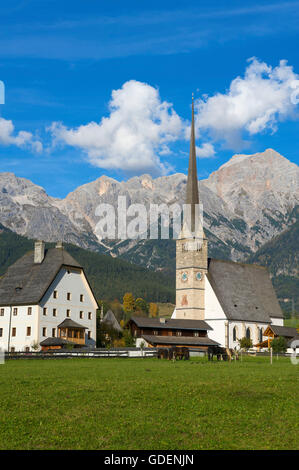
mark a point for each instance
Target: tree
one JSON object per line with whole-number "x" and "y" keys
{"x": 128, "y": 338}
{"x": 106, "y": 335}
{"x": 245, "y": 343}
{"x": 35, "y": 345}
{"x": 153, "y": 310}
{"x": 141, "y": 305}
{"x": 279, "y": 345}
{"x": 128, "y": 302}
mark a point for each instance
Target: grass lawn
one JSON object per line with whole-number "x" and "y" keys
{"x": 149, "y": 404}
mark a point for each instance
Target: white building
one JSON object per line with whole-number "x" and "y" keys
{"x": 240, "y": 301}
{"x": 39, "y": 292}
{"x": 236, "y": 300}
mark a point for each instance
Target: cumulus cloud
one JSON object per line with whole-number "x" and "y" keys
{"x": 254, "y": 103}
{"x": 133, "y": 137}
{"x": 206, "y": 150}
{"x": 21, "y": 139}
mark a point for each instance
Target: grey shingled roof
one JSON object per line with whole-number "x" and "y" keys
{"x": 187, "y": 340}
{"x": 69, "y": 323}
{"x": 175, "y": 324}
{"x": 110, "y": 319}
{"x": 25, "y": 282}
{"x": 244, "y": 291}
{"x": 286, "y": 331}
{"x": 54, "y": 342}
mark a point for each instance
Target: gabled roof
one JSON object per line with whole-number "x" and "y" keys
{"x": 69, "y": 323}
{"x": 110, "y": 319}
{"x": 244, "y": 291}
{"x": 25, "y": 282}
{"x": 286, "y": 331}
{"x": 182, "y": 340}
{"x": 175, "y": 324}
{"x": 55, "y": 342}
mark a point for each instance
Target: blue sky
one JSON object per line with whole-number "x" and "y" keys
{"x": 62, "y": 125}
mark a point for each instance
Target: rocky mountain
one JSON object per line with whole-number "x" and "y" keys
{"x": 247, "y": 202}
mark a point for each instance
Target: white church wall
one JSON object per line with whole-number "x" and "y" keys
{"x": 277, "y": 321}
{"x": 214, "y": 314}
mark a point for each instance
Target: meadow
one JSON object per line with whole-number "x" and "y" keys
{"x": 149, "y": 404}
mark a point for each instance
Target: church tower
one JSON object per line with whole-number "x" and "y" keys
{"x": 191, "y": 249}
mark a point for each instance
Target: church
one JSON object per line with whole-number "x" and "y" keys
{"x": 227, "y": 300}
{"x": 235, "y": 299}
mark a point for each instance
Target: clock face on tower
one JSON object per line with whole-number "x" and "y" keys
{"x": 184, "y": 277}
{"x": 198, "y": 276}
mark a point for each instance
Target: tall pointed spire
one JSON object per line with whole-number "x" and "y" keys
{"x": 192, "y": 184}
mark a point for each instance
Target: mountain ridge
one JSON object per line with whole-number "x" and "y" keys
{"x": 246, "y": 203}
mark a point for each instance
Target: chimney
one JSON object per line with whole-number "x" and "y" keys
{"x": 39, "y": 251}
{"x": 59, "y": 245}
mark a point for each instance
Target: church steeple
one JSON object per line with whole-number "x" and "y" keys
{"x": 192, "y": 184}
{"x": 191, "y": 249}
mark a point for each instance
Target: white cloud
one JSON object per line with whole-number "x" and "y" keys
{"x": 252, "y": 104}
{"x": 21, "y": 139}
{"x": 138, "y": 130}
{"x": 205, "y": 151}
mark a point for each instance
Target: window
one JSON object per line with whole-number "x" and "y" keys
{"x": 54, "y": 312}
{"x": 179, "y": 333}
{"x": 68, "y": 296}
{"x": 1, "y": 332}
{"x": 156, "y": 332}
{"x": 81, "y": 314}
{"x": 14, "y": 332}
{"x": 89, "y": 315}
{"x": 195, "y": 333}
{"x": 27, "y": 349}
{"x": 29, "y": 311}
{"x": 68, "y": 313}
{"x": 15, "y": 311}
{"x": 235, "y": 333}
{"x": 2, "y": 312}
{"x": 28, "y": 330}
{"x": 89, "y": 335}
{"x": 261, "y": 335}
{"x": 45, "y": 311}
{"x": 81, "y": 298}
{"x": 248, "y": 334}
{"x": 12, "y": 349}
{"x": 53, "y": 332}
{"x": 44, "y": 331}
{"x": 55, "y": 294}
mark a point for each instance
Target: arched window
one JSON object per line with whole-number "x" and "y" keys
{"x": 261, "y": 335}
{"x": 248, "y": 333}
{"x": 235, "y": 333}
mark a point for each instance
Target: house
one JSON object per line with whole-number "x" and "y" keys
{"x": 46, "y": 299}
{"x": 234, "y": 299}
{"x": 274, "y": 331}
{"x": 110, "y": 320}
{"x": 162, "y": 332}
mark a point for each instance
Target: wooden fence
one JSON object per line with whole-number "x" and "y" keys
{"x": 90, "y": 353}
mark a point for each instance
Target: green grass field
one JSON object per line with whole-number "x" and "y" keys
{"x": 149, "y": 404}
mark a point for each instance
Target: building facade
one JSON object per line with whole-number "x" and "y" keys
{"x": 39, "y": 292}
{"x": 236, "y": 299}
